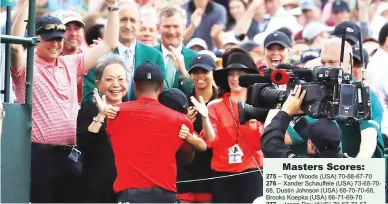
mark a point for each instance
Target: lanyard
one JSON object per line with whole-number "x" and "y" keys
{"x": 235, "y": 120}
{"x": 239, "y": 133}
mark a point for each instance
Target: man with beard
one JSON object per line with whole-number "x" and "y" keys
{"x": 74, "y": 36}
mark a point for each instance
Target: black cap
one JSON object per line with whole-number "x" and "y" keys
{"x": 339, "y": 6}
{"x": 174, "y": 99}
{"x": 148, "y": 72}
{"x": 57, "y": 29}
{"x": 277, "y": 37}
{"x": 352, "y": 31}
{"x": 325, "y": 135}
{"x": 203, "y": 61}
{"x": 309, "y": 55}
{"x": 357, "y": 54}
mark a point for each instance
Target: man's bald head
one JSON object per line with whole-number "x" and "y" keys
{"x": 331, "y": 54}
{"x": 128, "y": 4}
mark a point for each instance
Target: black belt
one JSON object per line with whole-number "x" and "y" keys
{"x": 39, "y": 146}
{"x": 148, "y": 190}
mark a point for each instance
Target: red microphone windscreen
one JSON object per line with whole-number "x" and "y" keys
{"x": 279, "y": 77}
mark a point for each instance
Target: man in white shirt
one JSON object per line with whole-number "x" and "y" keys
{"x": 377, "y": 72}
{"x": 277, "y": 17}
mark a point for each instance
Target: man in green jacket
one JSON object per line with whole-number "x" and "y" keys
{"x": 134, "y": 53}
{"x": 177, "y": 57}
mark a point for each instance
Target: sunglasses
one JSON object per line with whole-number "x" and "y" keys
{"x": 49, "y": 27}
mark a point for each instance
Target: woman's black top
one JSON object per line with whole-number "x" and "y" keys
{"x": 200, "y": 167}
{"x": 99, "y": 170}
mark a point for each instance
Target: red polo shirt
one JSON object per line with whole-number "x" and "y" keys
{"x": 145, "y": 139}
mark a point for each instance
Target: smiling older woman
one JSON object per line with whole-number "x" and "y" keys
{"x": 99, "y": 171}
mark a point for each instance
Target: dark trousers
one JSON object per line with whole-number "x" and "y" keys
{"x": 147, "y": 195}
{"x": 54, "y": 177}
{"x": 237, "y": 189}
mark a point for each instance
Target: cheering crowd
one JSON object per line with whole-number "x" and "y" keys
{"x": 138, "y": 101}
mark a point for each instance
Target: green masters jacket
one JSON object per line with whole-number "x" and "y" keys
{"x": 186, "y": 85}
{"x": 142, "y": 53}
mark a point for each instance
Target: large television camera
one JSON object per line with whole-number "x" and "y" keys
{"x": 330, "y": 93}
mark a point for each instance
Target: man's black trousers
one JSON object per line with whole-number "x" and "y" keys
{"x": 54, "y": 177}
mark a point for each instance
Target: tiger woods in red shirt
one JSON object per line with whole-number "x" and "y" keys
{"x": 145, "y": 140}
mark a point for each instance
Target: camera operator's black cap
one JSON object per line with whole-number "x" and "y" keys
{"x": 237, "y": 60}
{"x": 357, "y": 54}
{"x": 174, "y": 99}
{"x": 203, "y": 61}
{"x": 277, "y": 37}
{"x": 148, "y": 72}
{"x": 325, "y": 135}
{"x": 351, "y": 34}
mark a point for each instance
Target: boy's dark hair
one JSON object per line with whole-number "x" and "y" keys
{"x": 383, "y": 34}
{"x": 286, "y": 31}
{"x": 93, "y": 33}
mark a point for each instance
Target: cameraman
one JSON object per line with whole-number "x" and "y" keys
{"x": 361, "y": 139}
{"x": 324, "y": 136}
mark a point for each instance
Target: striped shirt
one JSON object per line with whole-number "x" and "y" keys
{"x": 54, "y": 98}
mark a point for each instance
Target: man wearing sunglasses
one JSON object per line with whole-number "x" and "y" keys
{"x": 55, "y": 161}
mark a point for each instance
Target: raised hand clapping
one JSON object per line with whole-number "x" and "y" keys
{"x": 200, "y": 106}
{"x": 104, "y": 108}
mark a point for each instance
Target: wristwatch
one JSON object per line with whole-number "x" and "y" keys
{"x": 95, "y": 120}
{"x": 113, "y": 8}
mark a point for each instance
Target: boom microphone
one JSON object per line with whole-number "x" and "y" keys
{"x": 305, "y": 74}
{"x": 294, "y": 72}
{"x": 286, "y": 67}
{"x": 250, "y": 79}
